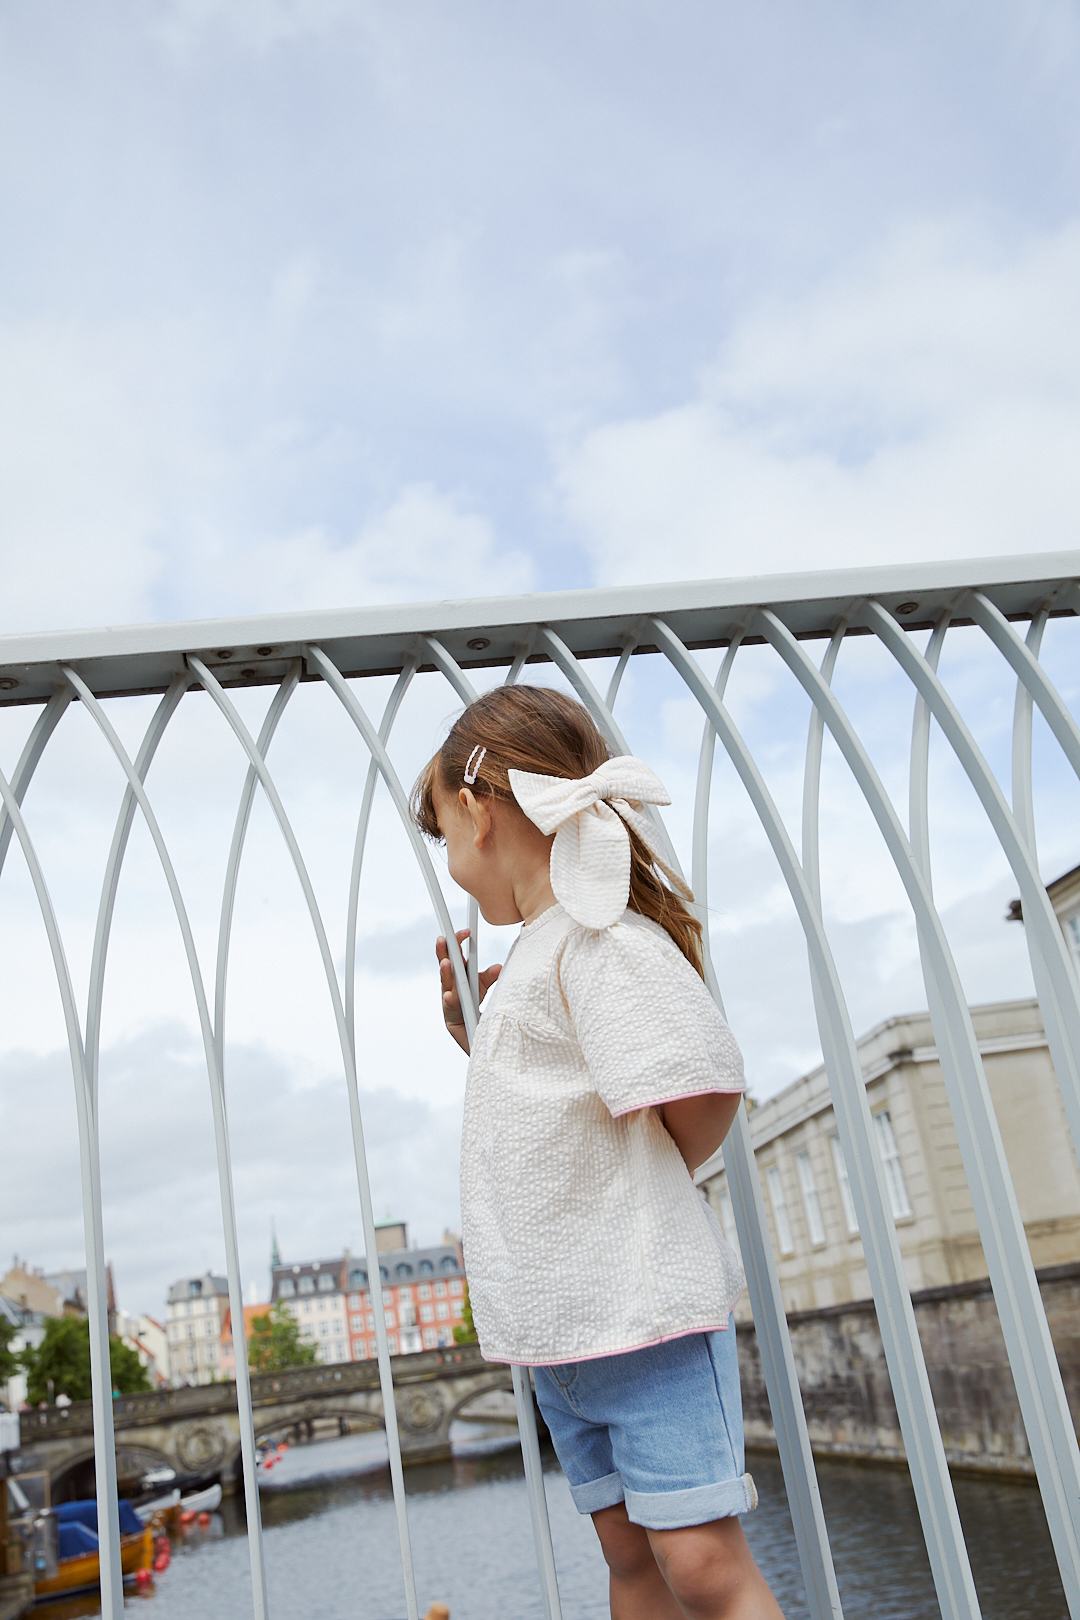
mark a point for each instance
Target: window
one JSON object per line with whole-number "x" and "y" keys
{"x": 442, "y": 1310}
{"x": 890, "y": 1158}
{"x": 307, "y": 1285}
{"x": 426, "y": 1265}
{"x": 426, "y": 1313}
{"x": 455, "y": 1285}
{"x": 1072, "y": 935}
{"x": 326, "y": 1283}
{"x": 389, "y": 1318}
{"x": 440, "y": 1288}
{"x": 431, "y": 1338}
{"x": 844, "y": 1184}
{"x": 403, "y": 1269}
{"x": 391, "y": 1341}
{"x": 811, "y": 1202}
{"x": 358, "y": 1278}
{"x": 779, "y": 1209}
{"x": 384, "y": 1274}
{"x": 286, "y": 1290}
{"x": 448, "y": 1263}
{"x": 371, "y": 1321}
{"x": 425, "y": 1290}
{"x": 358, "y": 1324}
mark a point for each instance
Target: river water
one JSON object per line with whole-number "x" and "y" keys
{"x": 332, "y": 1550}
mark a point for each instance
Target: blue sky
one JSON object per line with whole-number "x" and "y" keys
{"x": 311, "y": 303}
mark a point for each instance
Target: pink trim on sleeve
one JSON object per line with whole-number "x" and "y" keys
{"x": 677, "y": 1096}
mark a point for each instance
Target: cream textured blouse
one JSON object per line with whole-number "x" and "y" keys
{"x": 583, "y": 1231}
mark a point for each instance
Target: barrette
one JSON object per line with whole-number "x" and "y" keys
{"x": 468, "y": 764}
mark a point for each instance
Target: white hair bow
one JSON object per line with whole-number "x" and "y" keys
{"x": 590, "y": 854}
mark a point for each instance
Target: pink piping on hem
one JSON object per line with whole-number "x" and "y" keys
{"x": 721, "y": 1091}
{"x": 712, "y": 1327}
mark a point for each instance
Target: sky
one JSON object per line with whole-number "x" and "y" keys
{"x": 307, "y": 303}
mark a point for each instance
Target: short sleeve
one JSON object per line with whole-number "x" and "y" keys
{"x": 648, "y": 1027}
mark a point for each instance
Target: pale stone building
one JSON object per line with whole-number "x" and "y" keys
{"x": 313, "y": 1291}
{"x": 195, "y": 1312}
{"x": 808, "y": 1204}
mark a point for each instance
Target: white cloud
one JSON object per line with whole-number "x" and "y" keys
{"x": 924, "y": 404}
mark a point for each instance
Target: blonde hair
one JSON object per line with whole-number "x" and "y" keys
{"x": 536, "y": 728}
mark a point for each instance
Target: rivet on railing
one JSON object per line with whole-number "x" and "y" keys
{"x": 478, "y": 643}
{"x": 907, "y": 607}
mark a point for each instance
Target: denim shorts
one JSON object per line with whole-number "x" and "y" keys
{"x": 659, "y": 1428}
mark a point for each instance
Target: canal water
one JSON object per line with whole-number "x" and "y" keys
{"x": 332, "y": 1551}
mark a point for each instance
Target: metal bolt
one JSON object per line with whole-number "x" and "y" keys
{"x": 227, "y": 653}
{"x": 907, "y": 607}
{"x": 7, "y": 683}
{"x": 264, "y": 652}
{"x": 249, "y": 672}
{"x": 478, "y": 643}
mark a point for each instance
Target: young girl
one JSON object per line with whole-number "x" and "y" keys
{"x": 600, "y": 1076}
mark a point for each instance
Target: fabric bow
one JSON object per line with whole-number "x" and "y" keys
{"x": 590, "y": 854}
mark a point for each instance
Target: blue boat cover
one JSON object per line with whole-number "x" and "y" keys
{"x": 85, "y": 1513}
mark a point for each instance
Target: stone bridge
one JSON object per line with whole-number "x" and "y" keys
{"x": 196, "y": 1430}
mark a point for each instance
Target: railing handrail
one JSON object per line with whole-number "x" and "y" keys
{"x": 595, "y": 622}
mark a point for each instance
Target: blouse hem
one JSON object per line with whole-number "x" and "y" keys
{"x": 594, "y": 1355}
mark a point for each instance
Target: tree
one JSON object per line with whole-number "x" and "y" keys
{"x": 61, "y": 1363}
{"x": 10, "y": 1360}
{"x": 275, "y": 1342}
{"x": 465, "y": 1331}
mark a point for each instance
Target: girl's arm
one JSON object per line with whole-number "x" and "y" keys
{"x": 698, "y": 1125}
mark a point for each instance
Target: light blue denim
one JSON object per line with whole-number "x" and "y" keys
{"x": 659, "y": 1428}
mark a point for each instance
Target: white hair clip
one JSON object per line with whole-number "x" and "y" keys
{"x": 469, "y": 764}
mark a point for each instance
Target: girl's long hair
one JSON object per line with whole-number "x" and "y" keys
{"x": 536, "y": 728}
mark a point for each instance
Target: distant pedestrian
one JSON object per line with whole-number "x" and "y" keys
{"x": 601, "y": 1074}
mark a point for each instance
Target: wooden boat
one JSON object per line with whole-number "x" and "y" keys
{"x": 77, "y": 1567}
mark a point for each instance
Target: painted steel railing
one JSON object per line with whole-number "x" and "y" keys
{"x": 567, "y": 631}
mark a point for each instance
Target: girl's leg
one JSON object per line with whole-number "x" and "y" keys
{"x": 637, "y": 1589}
{"x": 711, "y": 1571}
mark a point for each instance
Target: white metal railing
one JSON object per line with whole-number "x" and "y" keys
{"x": 567, "y": 631}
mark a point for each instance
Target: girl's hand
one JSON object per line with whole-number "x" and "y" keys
{"x": 451, "y": 1001}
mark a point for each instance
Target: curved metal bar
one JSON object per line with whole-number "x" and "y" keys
{"x": 33, "y": 748}
{"x": 110, "y": 1574}
{"x": 618, "y": 672}
{"x": 1030, "y": 1349}
{"x": 274, "y": 713}
{"x": 907, "y": 1369}
{"x": 217, "y": 1095}
{"x": 386, "y": 725}
{"x": 386, "y": 1383}
{"x": 1029, "y": 672}
{"x": 1023, "y": 806}
{"x": 1057, "y": 985}
{"x": 520, "y": 1376}
{"x": 107, "y": 903}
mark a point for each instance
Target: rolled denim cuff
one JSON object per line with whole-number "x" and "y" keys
{"x": 671, "y": 1510}
{"x": 598, "y": 1493}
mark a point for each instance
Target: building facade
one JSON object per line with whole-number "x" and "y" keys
{"x": 423, "y": 1293}
{"x": 313, "y": 1291}
{"x": 808, "y": 1202}
{"x": 195, "y": 1312}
